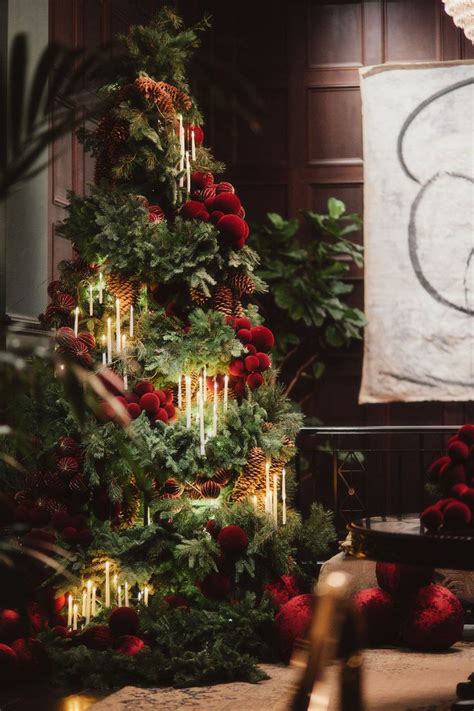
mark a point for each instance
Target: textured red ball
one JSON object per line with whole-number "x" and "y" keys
{"x": 201, "y": 179}
{"x": 458, "y": 451}
{"x": 378, "y": 611}
{"x": 243, "y": 322}
{"x": 466, "y": 434}
{"x": 8, "y": 664}
{"x": 170, "y": 410}
{"x": 450, "y": 475}
{"x": 457, "y": 515}
{"x": 468, "y": 497}
{"x": 87, "y": 339}
{"x": 10, "y": 625}
{"x": 144, "y": 386}
{"x": 123, "y": 621}
{"x": 150, "y": 403}
{"x": 262, "y": 338}
{"x": 435, "y": 467}
{"x": 254, "y": 380}
{"x": 194, "y": 210}
{"x": 212, "y": 528}
{"x": 31, "y": 655}
{"x": 292, "y": 623}
{"x": 215, "y": 216}
{"x": 129, "y": 645}
{"x": 432, "y": 518}
{"x": 97, "y": 637}
{"x": 237, "y": 368}
{"x": 161, "y": 395}
{"x": 400, "y": 579}
{"x": 161, "y": 415}
{"x": 215, "y": 586}
{"x": 252, "y": 363}
{"x": 238, "y": 386}
{"x": 67, "y": 446}
{"x": 244, "y": 335}
{"x": 134, "y": 410}
{"x": 263, "y": 360}
{"x": 233, "y": 540}
{"x": 228, "y": 203}
{"x": 434, "y": 619}
{"x": 459, "y": 490}
{"x": 199, "y": 137}
{"x": 70, "y": 535}
{"x": 176, "y": 601}
{"x": 250, "y": 348}
{"x": 234, "y": 231}
{"x": 283, "y": 589}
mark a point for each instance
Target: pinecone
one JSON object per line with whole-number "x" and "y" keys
{"x": 223, "y": 300}
{"x": 241, "y": 283}
{"x": 123, "y": 289}
{"x": 252, "y": 478}
{"x": 237, "y": 309}
{"x": 119, "y": 132}
{"x": 197, "y": 295}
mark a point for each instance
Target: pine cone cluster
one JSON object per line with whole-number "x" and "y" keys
{"x": 124, "y": 289}
{"x": 241, "y": 283}
{"x": 223, "y": 300}
{"x": 112, "y": 134}
{"x": 197, "y": 296}
{"x": 252, "y": 478}
{"x": 167, "y": 98}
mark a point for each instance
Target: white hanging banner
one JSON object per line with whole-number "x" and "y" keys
{"x": 418, "y": 124}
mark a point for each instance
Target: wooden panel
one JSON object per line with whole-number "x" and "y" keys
{"x": 260, "y": 199}
{"x": 411, "y": 30}
{"x": 335, "y": 34}
{"x": 334, "y": 125}
{"x": 270, "y": 146}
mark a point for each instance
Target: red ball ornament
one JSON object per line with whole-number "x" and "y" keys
{"x": 243, "y": 322}
{"x": 87, "y": 339}
{"x": 252, "y": 363}
{"x": 31, "y": 656}
{"x": 150, "y": 403}
{"x": 225, "y": 187}
{"x": 263, "y": 360}
{"x": 8, "y": 664}
{"x": 194, "y": 210}
{"x": 123, "y": 621}
{"x": 435, "y": 467}
{"x": 377, "y": 608}
{"x": 400, "y": 579}
{"x": 70, "y": 535}
{"x": 244, "y": 335}
{"x": 432, "y": 518}
{"x": 215, "y": 586}
{"x": 198, "y": 136}
{"x": 67, "y": 447}
{"x": 254, "y": 380}
{"x": 215, "y": 216}
{"x": 11, "y": 626}
{"x": 468, "y": 497}
{"x": 262, "y": 338}
{"x": 228, "y": 203}
{"x": 458, "y": 451}
{"x": 201, "y": 179}
{"x": 233, "y": 541}
{"x": 155, "y": 213}
{"x": 234, "y": 231}
{"x": 434, "y": 620}
{"x": 450, "y": 475}
{"x": 129, "y": 645}
{"x": 457, "y": 515}
{"x": 212, "y": 528}
{"x": 238, "y": 386}
{"x": 466, "y": 434}
{"x": 134, "y": 410}
{"x": 68, "y": 465}
{"x": 144, "y": 386}
{"x": 237, "y": 368}
{"x": 283, "y": 589}
{"x": 85, "y": 537}
{"x": 250, "y": 348}
{"x": 97, "y": 637}
{"x": 170, "y": 411}
{"x": 292, "y": 623}
{"x": 161, "y": 395}
{"x": 177, "y": 601}
{"x": 161, "y": 415}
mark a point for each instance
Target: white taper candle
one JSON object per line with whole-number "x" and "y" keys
{"x": 131, "y": 321}
{"x": 188, "y": 401}
{"x": 214, "y": 409}
{"x": 193, "y": 145}
{"x": 69, "y": 610}
{"x": 118, "y": 342}
{"x": 109, "y": 340}
{"x": 275, "y": 499}
{"x": 101, "y": 288}
{"x": 283, "y": 496}
{"x": 226, "y": 392}
{"x": 74, "y": 618}
{"x": 180, "y": 392}
{"x": 107, "y": 584}
{"x": 91, "y": 301}
{"x": 76, "y": 320}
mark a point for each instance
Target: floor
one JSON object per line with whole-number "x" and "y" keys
{"x": 394, "y": 680}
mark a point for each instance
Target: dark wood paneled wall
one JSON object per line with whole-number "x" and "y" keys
{"x": 303, "y": 56}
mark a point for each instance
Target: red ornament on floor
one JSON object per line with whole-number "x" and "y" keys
{"x": 435, "y": 619}
{"x": 123, "y": 621}
{"x": 292, "y": 623}
{"x": 399, "y": 579}
{"x": 378, "y": 610}
{"x": 129, "y": 645}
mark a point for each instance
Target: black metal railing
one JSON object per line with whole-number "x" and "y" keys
{"x": 367, "y": 471}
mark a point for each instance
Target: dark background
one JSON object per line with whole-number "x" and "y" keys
{"x": 303, "y": 56}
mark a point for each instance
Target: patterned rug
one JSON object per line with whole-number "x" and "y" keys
{"x": 394, "y": 680}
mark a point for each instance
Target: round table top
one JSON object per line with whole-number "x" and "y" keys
{"x": 403, "y": 540}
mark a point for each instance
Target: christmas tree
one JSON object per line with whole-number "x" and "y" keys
{"x": 172, "y": 496}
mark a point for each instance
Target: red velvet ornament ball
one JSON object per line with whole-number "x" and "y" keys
{"x": 132, "y": 398}
{"x": 435, "y": 467}
{"x": 237, "y": 368}
{"x": 238, "y": 386}
{"x": 212, "y": 528}
{"x": 254, "y": 380}
{"x": 233, "y": 541}
{"x": 252, "y": 363}
{"x": 292, "y": 623}
{"x": 243, "y": 322}
{"x": 177, "y": 601}
{"x": 250, "y": 348}
{"x": 170, "y": 411}
{"x": 70, "y": 535}
{"x": 457, "y": 515}
{"x": 399, "y": 579}
{"x": 450, "y": 475}
{"x": 228, "y": 203}
{"x": 161, "y": 415}
{"x": 194, "y": 210}
{"x": 31, "y": 656}
{"x": 10, "y": 625}
{"x": 143, "y": 386}
{"x": 244, "y": 335}
{"x": 377, "y": 608}
{"x": 459, "y": 490}
{"x": 129, "y": 644}
{"x": 283, "y": 589}
{"x": 262, "y": 338}
{"x": 198, "y": 136}
{"x": 215, "y": 216}
{"x": 468, "y": 497}
{"x": 161, "y": 395}
{"x": 458, "y": 451}
{"x": 134, "y": 410}
{"x": 150, "y": 403}
{"x": 234, "y": 231}
{"x": 200, "y": 179}
{"x": 434, "y": 619}
{"x": 97, "y": 637}
{"x": 432, "y": 518}
{"x": 215, "y": 586}
{"x": 8, "y": 664}
{"x": 263, "y": 360}
{"x": 466, "y": 434}
{"x": 123, "y": 621}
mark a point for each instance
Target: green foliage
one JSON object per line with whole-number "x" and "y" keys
{"x": 306, "y": 305}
